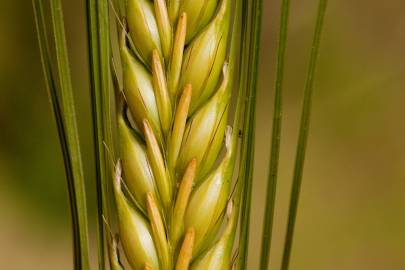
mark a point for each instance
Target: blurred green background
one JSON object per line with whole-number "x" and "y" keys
{"x": 352, "y": 208}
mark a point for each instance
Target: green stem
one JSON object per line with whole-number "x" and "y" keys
{"x": 99, "y": 52}
{"x": 242, "y": 93}
{"x": 57, "y": 112}
{"x": 248, "y": 145}
{"x": 303, "y": 136}
{"x": 275, "y": 139}
{"x": 64, "y": 111}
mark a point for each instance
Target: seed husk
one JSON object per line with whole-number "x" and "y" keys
{"x": 173, "y": 10}
{"x": 139, "y": 93}
{"x": 135, "y": 232}
{"x": 205, "y": 208}
{"x": 158, "y": 232}
{"x": 136, "y": 167}
{"x": 218, "y": 257}
{"x": 164, "y": 26}
{"x": 204, "y": 57}
{"x": 205, "y": 131}
{"x": 143, "y": 29}
{"x": 186, "y": 251}
{"x": 161, "y": 92}
{"x": 183, "y": 194}
{"x": 159, "y": 168}
{"x": 207, "y": 202}
{"x": 176, "y": 59}
{"x": 179, "y": 125}
{"x": 200, "y": 13}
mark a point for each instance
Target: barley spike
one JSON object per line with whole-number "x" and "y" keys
{"x": 173, "y": 182}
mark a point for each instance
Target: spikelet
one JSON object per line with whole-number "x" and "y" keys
{"x": 208, "y": 201}
{"x": 137, "y": 171}
{"x": 205, "y": 56}
{"x": 139, "y": 92}
{"x": 135, "y": 231}
{"x": 219, "y": 255}
{"x": 158, "y": 165}
{"x": 186, "y": 251}
{"x": 183, "y": 195}
{"x": 212, "y": 119}
{"x": 200, "y": 13}
{"x": 143, "y": 29}
{"x": 176, "y": 58}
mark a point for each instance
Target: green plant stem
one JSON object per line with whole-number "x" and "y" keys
{"x": 65, "y": 114}
{"x": 243, "y": 71}
{"x": 248, "y": 144}
{"x": 97, "y": 124}
{"x": 99, "y": 52}
{"x": 303, "y": 135}
{"x": 275, "y": 139}
{"x": 240, "y": 35}
{"x": 57, "y": 112}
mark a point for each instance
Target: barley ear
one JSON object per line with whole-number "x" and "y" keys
{"x": 177, "y": 87}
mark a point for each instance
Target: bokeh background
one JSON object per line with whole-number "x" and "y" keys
{"x": 352, "y": 208}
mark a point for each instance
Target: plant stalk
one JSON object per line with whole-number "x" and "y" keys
{"x": 248, "y": 145}
{"x": 303, "y": 135}
{"x": 275, "y": 139}
{"x": 99, "y": 65}
{"x": 63, "y": 108}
